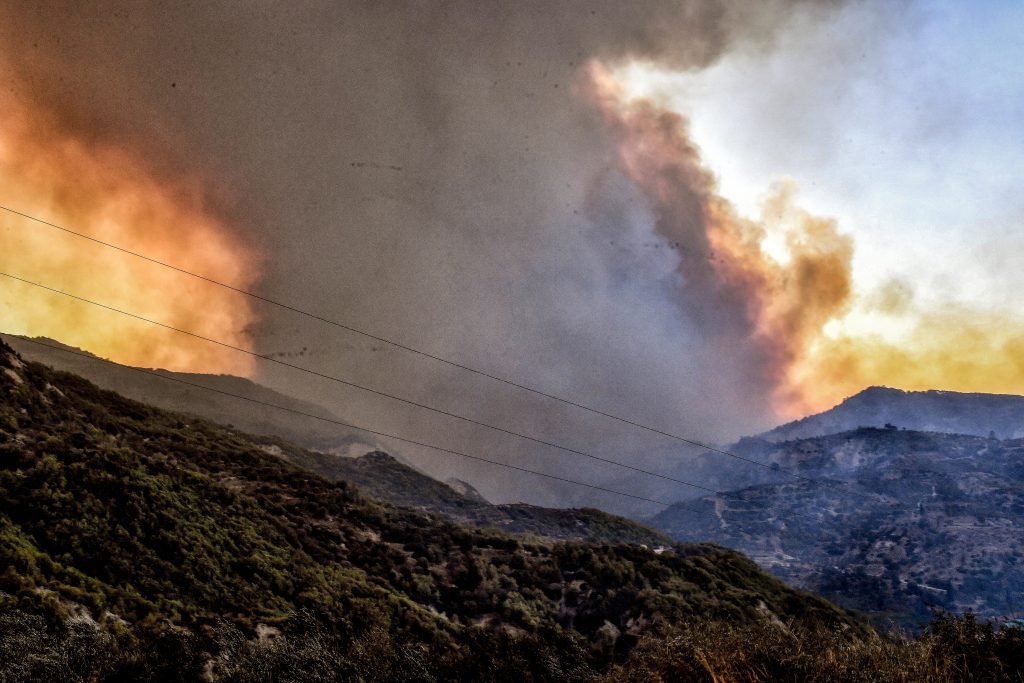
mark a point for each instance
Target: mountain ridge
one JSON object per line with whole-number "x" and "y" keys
{"x": 933, "y": 410}
{"x": 178, "y": 396}
{"x": 331, "y": 452}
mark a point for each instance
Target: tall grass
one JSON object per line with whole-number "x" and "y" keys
{"x": 950, "y": 650}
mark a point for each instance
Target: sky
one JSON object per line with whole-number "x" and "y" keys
{"x": 707, "y": 216}
{"x": 904, "y": 124}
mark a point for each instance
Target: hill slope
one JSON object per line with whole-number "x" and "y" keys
{"x": 125, "y": 512}
{"x": 947, "y": 412}
{"x": 379, "y": 474}
{"x": 180, "y": 397}
{"x": 894, "y": 523}
{"x": 387, "y": 479}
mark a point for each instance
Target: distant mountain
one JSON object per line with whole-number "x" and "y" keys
{"x": 115, "y": 515}
{"x": 945, "y": 412}
{"x": 890, "y": 522}
{"x": 1000, "y": 415}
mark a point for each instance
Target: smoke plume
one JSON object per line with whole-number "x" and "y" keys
{"x": 107, "y": 191}
{"x": 457, "y": 176}
{"x": 766, "y": 311}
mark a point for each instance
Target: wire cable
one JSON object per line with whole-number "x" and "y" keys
{"x": 399, "y": 345}
{"x": 422, "y": 405}
{"x": 361, "y": 387}
{"x": 359, "y": 428}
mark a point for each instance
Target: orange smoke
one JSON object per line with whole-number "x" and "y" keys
{"x": 785, "y": 281}
{"x": 957, "y": 349}
{"x": 109, "y": 193}
{"x": 778, "y": 303}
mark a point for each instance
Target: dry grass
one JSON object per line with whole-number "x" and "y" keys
{"x": 951, "y": 650}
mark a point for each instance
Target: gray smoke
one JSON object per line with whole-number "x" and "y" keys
{"x": 429, "y": 172}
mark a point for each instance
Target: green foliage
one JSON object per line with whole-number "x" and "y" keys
{"x": 179, "y": 536}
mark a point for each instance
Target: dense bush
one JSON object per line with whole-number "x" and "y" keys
{"x": 155, "y": 517}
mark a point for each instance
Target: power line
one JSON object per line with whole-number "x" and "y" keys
{"x": 289, "y": 365}
{"x": 339, "y": 380}
{"x": 419, "y": 404}
{"x": 404, "y": 347}
{"x": 359, "y": 428}
{"x": 366, "y": 430}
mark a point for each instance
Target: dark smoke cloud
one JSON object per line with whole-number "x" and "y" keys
{"x": 431, "y": 171}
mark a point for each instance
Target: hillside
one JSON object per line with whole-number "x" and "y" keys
{"x": 120, "y": 513}
{"x": 178, "y": 396}
{"x": 895, "y": 523}
{"x": 925, "y": 411}
{"x": 389, "y": 480}
{"x": 943, "y": 412}
{"x": 379, "y": 474}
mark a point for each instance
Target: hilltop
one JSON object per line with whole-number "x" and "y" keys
{"x": 175, "y": 392}
{"x": 943, "y": 412}
{"x": 999, "y": 415}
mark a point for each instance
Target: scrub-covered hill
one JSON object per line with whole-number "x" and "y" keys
{"x": 149, "y": 522}
{"x": 385, "y": 478}
{"x": 890, "y": 522}
{"x": 309, "y": 436}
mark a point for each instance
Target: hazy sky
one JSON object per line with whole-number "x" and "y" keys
{"x": 706, "y": 215}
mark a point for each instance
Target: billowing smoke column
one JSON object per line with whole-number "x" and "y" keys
{"x": 775, "y": 293}
{"x": 768, "y": 310}
{"x": 109, "y": 193}
{"x": 424, "y": 171}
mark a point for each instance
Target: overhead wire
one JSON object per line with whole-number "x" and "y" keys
{"x": 346, "y": 382}
{"x": 774, "y": 468}
{"x": 401, "y": 346}
{"x": 350, "y": 425}
{"x": 334, "y": 378}
{"x": 411, "y": 402}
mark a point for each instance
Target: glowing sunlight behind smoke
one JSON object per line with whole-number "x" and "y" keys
{"x": 789, "y": 274}
{"x": 109, "y": 194}
{"x": 776, "y": 282}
